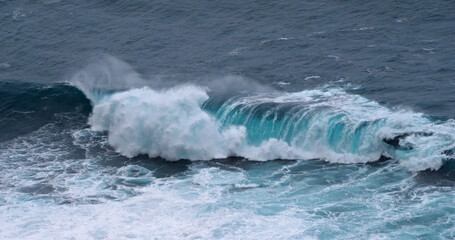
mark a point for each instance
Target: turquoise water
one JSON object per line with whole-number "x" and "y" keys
{"x": 227, "y": 120}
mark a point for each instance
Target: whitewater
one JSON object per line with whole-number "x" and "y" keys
{"x": 132, "y": 158}
{"x": 327, "y": 123}
{"x": 141, "y": 120}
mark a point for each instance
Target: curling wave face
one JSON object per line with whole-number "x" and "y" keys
{"x": 183, "y": 122}
{"x": 331, "y": 124}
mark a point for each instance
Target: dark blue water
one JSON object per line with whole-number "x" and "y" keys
{"x": 222, "y": 120}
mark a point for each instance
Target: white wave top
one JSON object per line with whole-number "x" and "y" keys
{"x": 325, "y": 123}
{"x": 172, "y": 124}
{"x": 365, "y": 123}
{"x": 169, "y": 124}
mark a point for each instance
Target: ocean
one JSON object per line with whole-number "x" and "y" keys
{"x": 227, "y": 119}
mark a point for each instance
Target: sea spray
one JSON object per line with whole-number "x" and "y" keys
{"x": 169, "y": 124}
{"x": 328, "y": 124}
{"x": 194, "y": 122}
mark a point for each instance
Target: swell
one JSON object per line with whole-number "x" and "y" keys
{"x": 25, "y": 107}
{"x": 229, "y": 117}
{"x": 183, "y": 122}
{"x": 223, "y": 118}
{"x": 331, "y": 124}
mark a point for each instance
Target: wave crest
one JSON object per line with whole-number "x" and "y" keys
{"x": 183, "y": 122}
{"x": 168, "y": 124}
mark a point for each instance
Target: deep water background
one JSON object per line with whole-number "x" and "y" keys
{"x": 60, "y": 179}
{"x": 399, "y": 53}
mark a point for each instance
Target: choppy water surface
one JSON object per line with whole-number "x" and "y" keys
{"x": 226, "y": 120}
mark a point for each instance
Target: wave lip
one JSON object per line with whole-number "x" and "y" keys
{"x": 331, "y": 124}
{"x": 183, "y": 122}
{"x": 328, "y": 124}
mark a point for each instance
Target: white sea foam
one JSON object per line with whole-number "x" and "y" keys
{"x": 168, "y": 123}
{"x": 312, "y": 77}
{"x": 18, "y": 14}
{"x": 301, "y": 200}
{"x": 330, "y": 123}
{"x": 167, "y": 209}
{"x": 281, "y": 83}
{"x": 4, "y": 65}
{"x": 172, "y": 124}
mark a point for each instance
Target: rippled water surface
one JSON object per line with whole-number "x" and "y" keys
{"x": 227, "y": 120}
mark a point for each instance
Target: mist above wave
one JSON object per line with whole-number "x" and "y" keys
{"x": 188, "y": 121}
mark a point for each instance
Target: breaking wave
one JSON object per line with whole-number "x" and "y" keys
{"x": 186, "y": 122}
